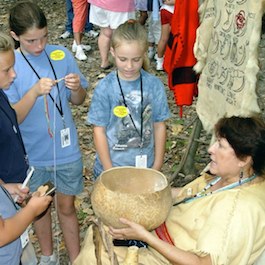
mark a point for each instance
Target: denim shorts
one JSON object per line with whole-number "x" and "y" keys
{"x": 67, "y": 178}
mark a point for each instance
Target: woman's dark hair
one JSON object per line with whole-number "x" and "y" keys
{"x": 25, "y": 15}
{"x": 247, "y": 138}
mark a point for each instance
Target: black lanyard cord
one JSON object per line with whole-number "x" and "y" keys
{"x": 59, "y": 108}
{"x": 10, "y": 197}
{"x": 125, "y": 104}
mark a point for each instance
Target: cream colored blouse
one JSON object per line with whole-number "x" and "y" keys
{"x": 228, "y": 225}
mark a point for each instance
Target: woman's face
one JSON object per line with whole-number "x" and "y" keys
{"x": 129, "y": 59}
{"x": 33, "y": 41}
{"x": 224, "y": 161}
{"x": 7, "y": 73}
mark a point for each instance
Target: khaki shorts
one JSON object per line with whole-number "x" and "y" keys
{"x": 105, "y": 18}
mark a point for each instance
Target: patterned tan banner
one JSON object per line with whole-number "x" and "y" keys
{"x": 226, "y": 49}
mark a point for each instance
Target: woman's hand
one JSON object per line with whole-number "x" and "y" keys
{"x": 133, "y": 231}
{"x": 175, "y": 192}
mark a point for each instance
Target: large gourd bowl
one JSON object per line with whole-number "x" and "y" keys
{"x": 141, "y": 195}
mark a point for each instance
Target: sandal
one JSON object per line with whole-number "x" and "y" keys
{"x": 106, "y": 67}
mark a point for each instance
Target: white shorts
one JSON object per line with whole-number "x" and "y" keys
{"x": 105, "y": 18}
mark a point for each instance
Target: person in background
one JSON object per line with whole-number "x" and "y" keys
{"x": 154, "y": 26}
{"x": 141, "y": 6}
{"x": 13, "y": 168}
{"x": 129, "y": 106}
{"x": 205, "y": 225}
{"x": 166, "y": 13}
{"x": 108, "y": 15}
{"x": 80, "y": 17}
{"x": 89, "y": 32}
{"x": 48, "y": 79}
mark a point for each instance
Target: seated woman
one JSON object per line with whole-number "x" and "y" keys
{"x": 219, "y": 218}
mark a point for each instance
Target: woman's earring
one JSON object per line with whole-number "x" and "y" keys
{"x": 240, "y": 176}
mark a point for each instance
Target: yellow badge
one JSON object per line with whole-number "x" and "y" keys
{"x": 57, "y": 55}
{"x": 120, "y": 111}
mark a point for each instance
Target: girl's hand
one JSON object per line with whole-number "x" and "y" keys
{"x": 72, "y": 81}
{"x": 15, "y": 190}
{"x": 39, "y": 204}
{"x": 43, "y": 86}
{"x": 133, "y": 231}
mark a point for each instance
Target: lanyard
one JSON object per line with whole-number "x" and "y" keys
{"x": 125, "y": 104}
{"x": 203, "y": 193}
{"x": 14, "y": 126}
{"x": 9, "y": 197}
{"x": 59, "y": 108}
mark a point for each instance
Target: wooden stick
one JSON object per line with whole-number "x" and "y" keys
{"x": 107, "y": 242}
{"x": 59, "y": 80}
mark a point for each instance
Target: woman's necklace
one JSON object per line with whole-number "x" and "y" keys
{"x": 204, "y": 192}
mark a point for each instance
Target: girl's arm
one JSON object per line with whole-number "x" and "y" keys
{"x": 102, "y": 147}
{"x": 25, "y": 104}
{"x": 44, "y": 87}
{"x": 12, "y": 228}
{"x": 173, "y": 254}
{"x": 78, "y": 94}
{"x": 160, "y": 142}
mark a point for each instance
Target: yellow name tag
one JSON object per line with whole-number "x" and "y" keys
{"x": 121, "y": 111}
{"x": 57, "y": 55}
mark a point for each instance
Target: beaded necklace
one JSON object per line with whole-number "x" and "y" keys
{"x": 203, "y": 192}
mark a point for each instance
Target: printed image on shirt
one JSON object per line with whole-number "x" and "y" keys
{"x": 134, "y": 129}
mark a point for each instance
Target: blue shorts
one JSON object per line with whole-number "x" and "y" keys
{"x": 67, "y": 178}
